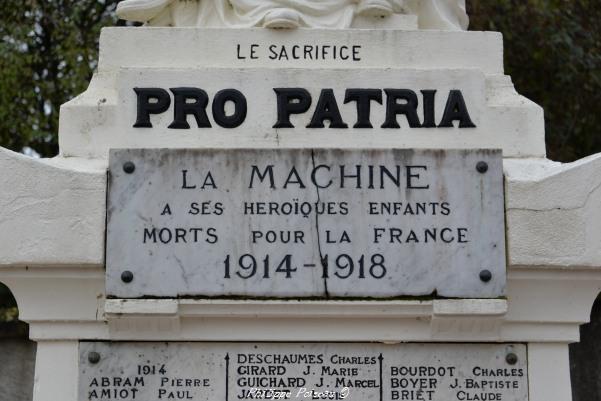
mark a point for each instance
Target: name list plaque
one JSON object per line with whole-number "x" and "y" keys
{"x": 280, "y": 371}
{"x": 294, "y": 223}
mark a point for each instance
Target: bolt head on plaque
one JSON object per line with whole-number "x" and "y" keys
{"x": 511, "y": 358}
{"x": 93, "y": 357}
{"x": 482, "y": 167}
{"x": 212, "y": 361}
{"x": 127, "y": 276}
{"x": 234, "y": 184}
{"x": 485, "y": 276}
{"x": 129, "y": 167}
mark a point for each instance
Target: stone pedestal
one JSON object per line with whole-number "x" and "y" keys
{"x": 53, "y": 214}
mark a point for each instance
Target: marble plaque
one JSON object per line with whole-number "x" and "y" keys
{"x": 326, "y": 223}
{"x": 314, "y": 371}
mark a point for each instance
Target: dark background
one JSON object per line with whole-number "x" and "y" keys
{"x": 49, "y": 50}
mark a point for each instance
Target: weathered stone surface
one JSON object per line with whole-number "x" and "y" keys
{"x": 553, "y": 245}
{"x": 355, "y": 372}
{"x": 305, "y": 223}
{"x": 256, "y": 61}
{"x": 52, "y": 211}
{"x": 552, "y": 212}
{"x": 17, "y": 363}
{"x": 126, "y": 48}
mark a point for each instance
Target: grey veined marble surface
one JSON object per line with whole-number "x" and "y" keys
{"x": 305, "y": 223}
{"x": 354, "y": 372}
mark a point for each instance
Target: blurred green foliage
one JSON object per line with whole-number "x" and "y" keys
{"x": 8, "y": 306}
{"x": 553, "y": 52}
{"x": 10, "y": 325}
{"x": 48, "y": 53}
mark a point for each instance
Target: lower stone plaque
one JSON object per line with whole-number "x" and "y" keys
{"x": 310, "y": 371}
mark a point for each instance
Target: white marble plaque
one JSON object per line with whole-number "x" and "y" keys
{"x": 305, "y": 223}
{"x": 353, "y": 372}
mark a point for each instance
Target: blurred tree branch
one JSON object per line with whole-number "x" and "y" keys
{"x": 48, "y": 53}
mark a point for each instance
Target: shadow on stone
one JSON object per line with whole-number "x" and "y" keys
{"x": 585, "y": 359}
{"x": 17, "y": 352}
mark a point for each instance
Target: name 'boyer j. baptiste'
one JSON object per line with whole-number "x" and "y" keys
{"x": 419, "y": 110}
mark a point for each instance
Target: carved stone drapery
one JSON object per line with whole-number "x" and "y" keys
{"x": 332, "y": 14}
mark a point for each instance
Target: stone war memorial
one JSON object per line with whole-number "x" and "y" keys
{"x": 302, "y": 200}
